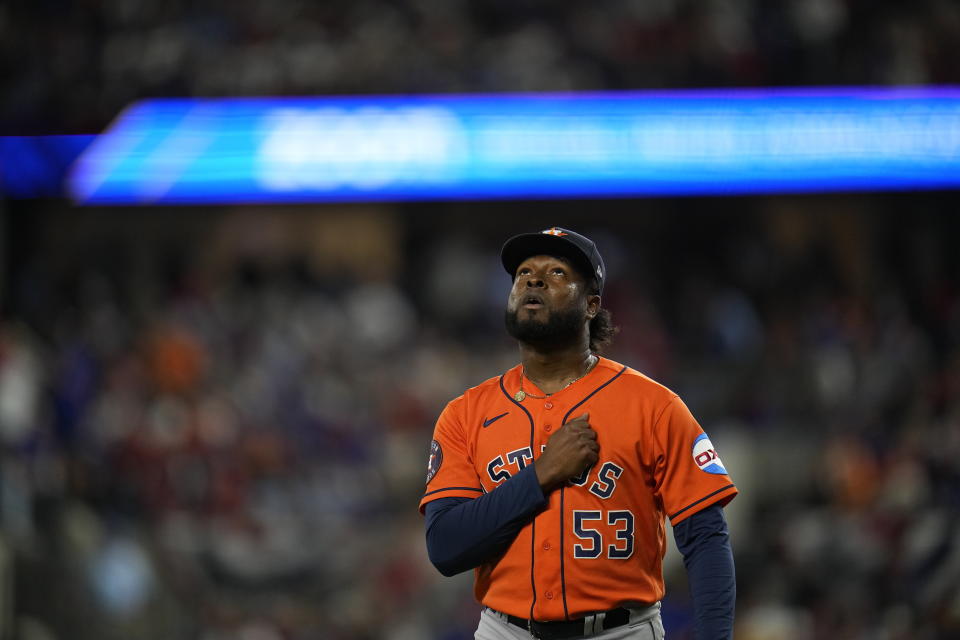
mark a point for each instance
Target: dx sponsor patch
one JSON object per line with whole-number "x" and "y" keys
{"x": 705, "y": 456}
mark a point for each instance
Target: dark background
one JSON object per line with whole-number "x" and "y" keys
{"x": 214, "y": 421}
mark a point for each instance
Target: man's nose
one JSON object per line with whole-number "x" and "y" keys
{"x": 534, "y": 281}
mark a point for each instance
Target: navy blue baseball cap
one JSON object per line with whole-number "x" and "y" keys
{"x": 578, "y": 249}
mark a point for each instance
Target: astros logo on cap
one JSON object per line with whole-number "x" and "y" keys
{"x": 554, "y": 232}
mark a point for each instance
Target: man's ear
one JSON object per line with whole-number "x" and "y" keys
{"x": 593, "y": 305}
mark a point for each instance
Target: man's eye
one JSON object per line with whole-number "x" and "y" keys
{"x": 558, "y": 271}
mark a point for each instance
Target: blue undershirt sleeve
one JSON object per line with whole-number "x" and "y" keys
{"x": 704, "y": 541}
{"x": 463, "y": 533}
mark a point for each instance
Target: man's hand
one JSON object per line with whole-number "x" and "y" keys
{"x": 569, "y": 451}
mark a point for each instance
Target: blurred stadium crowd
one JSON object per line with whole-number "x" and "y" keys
{"x": 75, "y": 65}
{"x": 217, "y": 426}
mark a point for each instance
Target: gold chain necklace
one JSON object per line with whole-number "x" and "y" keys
{"x": 522, "y": 395}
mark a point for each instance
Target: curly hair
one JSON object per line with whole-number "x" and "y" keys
{"x": 602, "y": 328}
{"x": 602, "y": 331}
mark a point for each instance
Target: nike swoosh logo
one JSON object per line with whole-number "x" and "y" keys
{"x": 490, "y": 421}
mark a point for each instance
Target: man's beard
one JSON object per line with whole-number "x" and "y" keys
{"x": 561, "y": 328}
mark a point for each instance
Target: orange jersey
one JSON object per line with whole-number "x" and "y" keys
{"x": 600, "y": 541}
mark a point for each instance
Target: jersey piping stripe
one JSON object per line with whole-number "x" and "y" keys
{"x": 563, "y": 580}
{"x": 706, "y": 497}
{"x": 592, "y": 393}
{"x": 430, "y": 493}
{"x": 563, "y": 583}
{"x": 533, "y": 523}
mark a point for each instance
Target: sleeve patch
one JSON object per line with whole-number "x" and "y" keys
{"x": 436, "y": 459}
{"x": 705, "y": 456}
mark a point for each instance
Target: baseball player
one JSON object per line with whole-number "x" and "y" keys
{"x": 553, "y": 481}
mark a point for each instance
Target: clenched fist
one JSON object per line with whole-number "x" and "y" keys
{"x": 569, "y": 451}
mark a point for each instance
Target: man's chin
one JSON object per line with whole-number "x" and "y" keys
{"x": 524, "y": 324}
{"x": 537, "y": 333}
{"x": 542, "y": 328}
{"x": 534, "y": 320}
{"x": 533, "y": 334}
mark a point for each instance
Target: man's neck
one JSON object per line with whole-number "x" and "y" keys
{"x": 553, "y": 370}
